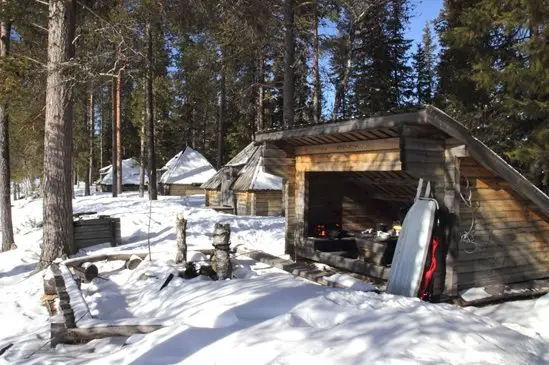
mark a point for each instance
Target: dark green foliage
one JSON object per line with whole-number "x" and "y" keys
{"x": 493, "y": 74}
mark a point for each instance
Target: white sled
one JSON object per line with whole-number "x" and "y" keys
{"x": 412, "y": 247}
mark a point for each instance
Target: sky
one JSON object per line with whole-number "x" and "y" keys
{"x": 425, "y": 10}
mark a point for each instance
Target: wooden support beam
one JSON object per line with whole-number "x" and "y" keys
{"x": 358, "y": 146}
{"x": 386, "y": 121}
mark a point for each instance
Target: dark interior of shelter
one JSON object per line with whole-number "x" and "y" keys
{"x": 357, "y": 215}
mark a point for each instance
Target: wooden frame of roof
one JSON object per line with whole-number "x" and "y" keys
{"x": 388, "y": 126}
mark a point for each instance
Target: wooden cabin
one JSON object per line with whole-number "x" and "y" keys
{"x": 244, "y": 185}
{"x": 185, "y": 172}
{"x": 355, "y": 175}
{"x": 131, "y": 170}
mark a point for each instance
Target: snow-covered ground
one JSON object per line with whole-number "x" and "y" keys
{"x": 265, "y": 316}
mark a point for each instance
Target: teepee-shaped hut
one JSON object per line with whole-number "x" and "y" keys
{"x": 131, "y": 170}
{"x": 185, "y": 172}
{"x": 244, "y": 185}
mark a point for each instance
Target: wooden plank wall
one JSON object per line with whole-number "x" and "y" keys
{"x": 183, "y": 189}
{"x": 279, "y": 159}
{"x": 423, "y": 156}
{"x": 511, "y": 236}
{"x": 212, "y": 198}
{"x": 89, "y": 232}
{"x": 267, "y": 203}
{"x": 243, "y": 203}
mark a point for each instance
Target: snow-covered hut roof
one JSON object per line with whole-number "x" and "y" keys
{"x": 131, "y": 169}
{"x": 253, "y": 176}
{"x": 238, "y": 162}
{"x": 187, "y": 167}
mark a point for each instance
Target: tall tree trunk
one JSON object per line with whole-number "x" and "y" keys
{"x": 142, "y": 160}
{"x": 114, "y": 154}
{"x": 150, "y": 115}
{"x": 289, "y": 50}
{"x": 91, "y": 125}
{"x": 102, "y": 118}
{"x": 58, "y": 222}
{"x": 260, "y": 122}
{"x": 341, "y": 87}
{"x": 222, "y": 106}
{"x": 316, "y": 71}
{"x": 119, "y": 87}
{"x": 6, "y": 225}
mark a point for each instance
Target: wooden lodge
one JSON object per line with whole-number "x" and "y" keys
{"x": 244, "y": 185}
{"x": 185, "y": 172}
{"x": 357, "y": 174}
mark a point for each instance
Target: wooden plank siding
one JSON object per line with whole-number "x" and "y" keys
{"x": 90, "y": 232}
{"x": 267, "y": 203}
{"x": 212, "y": 198}
{"x": 510, "y": 236}
{"x": 182, "y": 189}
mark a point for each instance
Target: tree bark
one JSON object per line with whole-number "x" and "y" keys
{"x": 260, "y": 122}
{"x": 181, "y": 239}
{"x": 58, "y": 223}
{"x": 341, "y": 87}
{"x": 91, "y": 122}
{"x": 101, "y": 117}
{"x": 142, "y": 161}
{"x": 119, "y": 87}
{"x": 6, "y": 225}
{"x": 150, "y": 115}
{"x": 114, "y": 154}
{"x": 289, "y": 50}
{"x": 222, "y": 242}
{"x": 222, "y": 106}
{"x": 316, "y": 71}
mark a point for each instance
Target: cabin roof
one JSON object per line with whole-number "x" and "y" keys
{"x": 389, "y": 126}
{"x": 187, "y": 167}
{"x": 253, "y": 176}
{"x": 238, "y": 162}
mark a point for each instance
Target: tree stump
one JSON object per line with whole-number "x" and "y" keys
{"x": 181, "y": 240}
{"x": 221, "y": 263}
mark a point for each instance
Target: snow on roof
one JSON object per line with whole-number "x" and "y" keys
{"x": 254, "y": 177}
{"x": 263, "y": 180}
{"x": 190, "y": 167}
{"x": 131, "y": 169}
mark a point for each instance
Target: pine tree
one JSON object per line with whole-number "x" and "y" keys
{"x": 492, "y": 73}
{"x": 424, "y": 66}
{"x": 6, "y": 225}
{"x": 58, "y": 223}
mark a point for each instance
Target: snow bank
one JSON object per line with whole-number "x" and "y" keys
{"x": 265, "y": 317}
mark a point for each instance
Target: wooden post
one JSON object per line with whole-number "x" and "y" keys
{"x": 222, "y": 242}
{"x": 181, "y": 228}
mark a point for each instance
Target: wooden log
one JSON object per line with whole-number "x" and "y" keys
{"x": 221, "y": 242}
{"x": 181, "y": 239}
{"x": 79, "y": 335}
{"x": 90, "y": 271}
{"x": 49, "y": 282}
{"x": 104, "y": 257}
{"x": 133, "y": 262}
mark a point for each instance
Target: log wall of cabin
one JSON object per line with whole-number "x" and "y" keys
{"x": 243, "y": 203}
{"x": 279, "y": 159}
{"x": 183, "y": 189}
{"x": 431, "y": 158}
{"x": 510, "y": 235}
{"x": 212, "y": 198}
{"x": 266, "y": 203}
